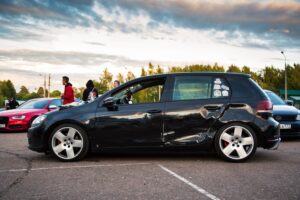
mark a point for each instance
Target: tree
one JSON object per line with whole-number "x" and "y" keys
{"x": 233, "y": 68}
{"x": 120, "y": 78}
{"x": 130, "y": 76}
{"x": 23, "y": 93}
{"x": 55, "y": 93}
{"x": 159, "y": 70}
{"x": 11, "y": 89}
{"x": 151, "y": 69}
{"x": 32, "y": 95}
{"x": 40, "y": 92}
{"x": 143, "y": 72}
{"x": 78, "y": 92}
{"x": 105, "y": 82}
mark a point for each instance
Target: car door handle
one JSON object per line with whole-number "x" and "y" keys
{"x": 212, "y": 108}
{"x": 154, "y": 111}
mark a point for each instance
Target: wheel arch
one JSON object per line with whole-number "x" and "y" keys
{"x": 58, "y": 123}
{"x": 251, "y": 125}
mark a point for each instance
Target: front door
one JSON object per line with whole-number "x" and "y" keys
{"x": 137, "y": 116}
{"x": 194, "y": 105}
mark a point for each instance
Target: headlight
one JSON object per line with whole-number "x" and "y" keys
{"x": 38, "y": 120}
{"x": 298, "y": 117}
{"x": 19, "y": 117}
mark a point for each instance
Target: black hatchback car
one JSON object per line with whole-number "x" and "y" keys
{"x": 223, "y": 111}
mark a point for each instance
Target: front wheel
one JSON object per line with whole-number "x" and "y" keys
{"x": 236, "y": 142}
{"x": 69, "y": 142}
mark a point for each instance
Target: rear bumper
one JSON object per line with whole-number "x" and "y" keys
{"x": 271, "y": 133}
{"x": 274, "y": 144}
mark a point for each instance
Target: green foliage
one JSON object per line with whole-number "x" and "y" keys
{"x": 233, "y": 68}
{"x": 78, "y": 92}
{"x": 55, "y": 93}
{"x": 40, "y": 92}
{"x": 120, "y": 78}
{"x": 23, "y": 94}
{"x": 105, "y": 82}
{"x": 130, "y": 76}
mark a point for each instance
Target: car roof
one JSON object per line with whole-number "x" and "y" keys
{"x": 196, "y": 73}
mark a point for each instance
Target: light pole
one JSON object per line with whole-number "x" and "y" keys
{"x": 285, "y": 77}
{"x": 44, "y": 83}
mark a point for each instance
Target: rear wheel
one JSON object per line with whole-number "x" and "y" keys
{"x": 69, "y": 142}
{"x": 236, "y": 142}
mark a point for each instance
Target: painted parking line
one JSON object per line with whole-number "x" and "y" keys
{"x": 73, "y": 167}
{"x": 197, "y": 188}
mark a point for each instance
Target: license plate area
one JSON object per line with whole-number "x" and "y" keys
{"x": 285, "y": 126}
{"x": 2, "y": 125}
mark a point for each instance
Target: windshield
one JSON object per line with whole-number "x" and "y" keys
{"x": 34, "y": 104}
{"x": 276, "y": 100}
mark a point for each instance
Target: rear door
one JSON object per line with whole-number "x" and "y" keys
{"x": 194, "y": 104}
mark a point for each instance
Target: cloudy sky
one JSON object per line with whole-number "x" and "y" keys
{"x": 79, "y": 38}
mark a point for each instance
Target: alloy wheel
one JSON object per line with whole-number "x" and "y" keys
{"x": 67, "y": 143}
{"x": 236, "y": 142}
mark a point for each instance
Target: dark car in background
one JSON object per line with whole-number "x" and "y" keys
{"x": 226, "y": 112}
{"x": 20, "y": 119}
{"x": 287, "y": 115}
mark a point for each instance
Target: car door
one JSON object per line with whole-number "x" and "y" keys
{"x": 194, "y": 104}
{"x": 134, "y": 122}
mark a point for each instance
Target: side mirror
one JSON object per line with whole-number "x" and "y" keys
{"x": 110, "y": 104}
{"x": 52, "y": 107}
{"x": 289, "y": 102}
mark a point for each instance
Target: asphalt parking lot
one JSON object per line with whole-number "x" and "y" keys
{"x": 28, "y": 175}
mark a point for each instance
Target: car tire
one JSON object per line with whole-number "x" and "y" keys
{"x": 235, "y": 142}
{"x": 69, "y": 142}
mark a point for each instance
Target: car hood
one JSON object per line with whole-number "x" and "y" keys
{"x": 15, "y": 112}
{"x": 285, "y": 110}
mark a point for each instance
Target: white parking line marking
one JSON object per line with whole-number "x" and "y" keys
{"x": 72, "y": 167}
{"x": 199, "y": 189}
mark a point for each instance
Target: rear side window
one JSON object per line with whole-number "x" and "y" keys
{"x": 191, "y": 88}
{"x": 199, "y": 87}
{"x": 243, "y": 87}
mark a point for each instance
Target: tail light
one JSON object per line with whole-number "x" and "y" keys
{"x": 264, "y": 106}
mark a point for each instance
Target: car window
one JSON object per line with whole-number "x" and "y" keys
{"x": 142, "y": 92}
{"x": 56, "y": 102}
{"x": 220, "y": 88}
{"x": 276, "y": 100}
{"x": 34, "y": 104}
{"x": 191, "y": 88}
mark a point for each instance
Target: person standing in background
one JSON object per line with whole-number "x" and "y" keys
{"x": 12, "y": 104}
{"x": 116, "y": 83}
{"x": 90, "y": 93}
{"x": 68, "y": 96}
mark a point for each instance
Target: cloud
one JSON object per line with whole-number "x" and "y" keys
{"x": 254, "y": 16}
{"x": 61, "y": 58}
{"x": 275, "y": 21}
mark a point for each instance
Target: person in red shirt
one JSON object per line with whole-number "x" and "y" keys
{"x": 68, "y": 96}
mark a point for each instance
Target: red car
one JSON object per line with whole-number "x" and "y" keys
{"x": 21, "y": 118}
